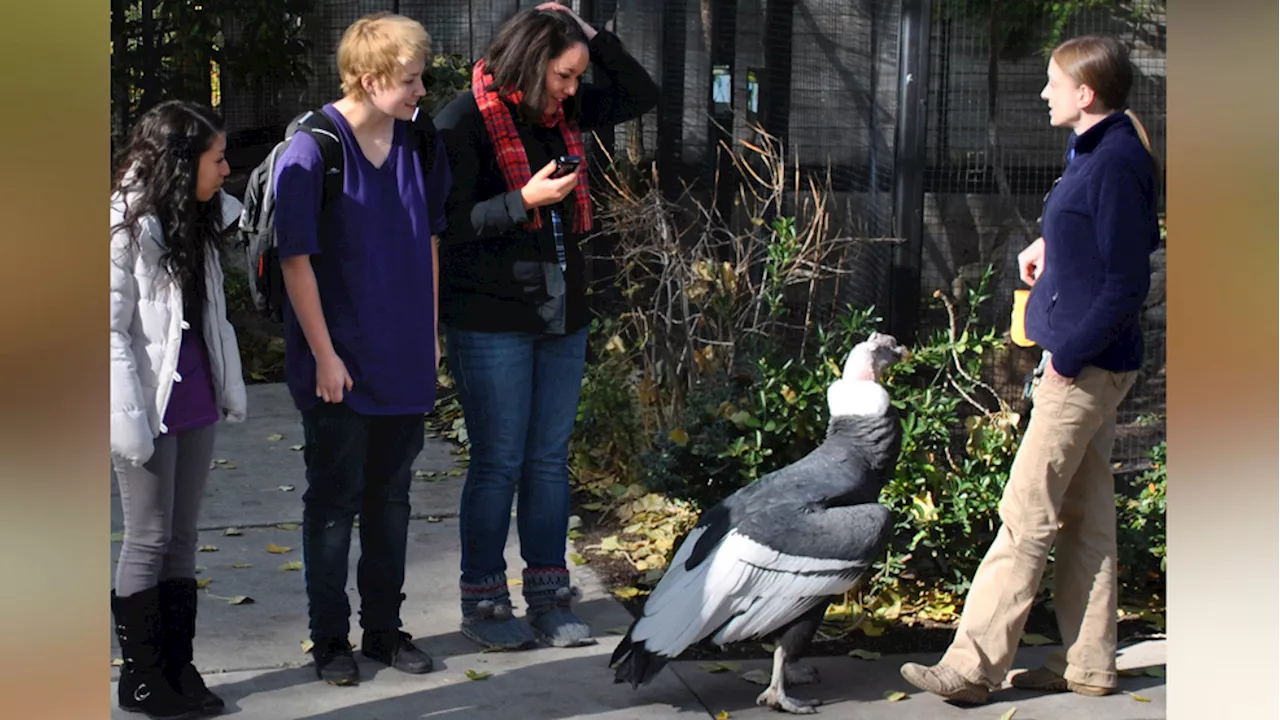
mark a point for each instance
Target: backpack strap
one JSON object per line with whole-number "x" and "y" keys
{"x": 424, "y": 134}
{"x": 321, "y": 128}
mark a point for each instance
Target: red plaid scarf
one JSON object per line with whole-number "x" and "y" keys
{"x": 510, "y": 151}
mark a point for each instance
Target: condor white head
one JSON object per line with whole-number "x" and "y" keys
{"x": 858, "y": 391}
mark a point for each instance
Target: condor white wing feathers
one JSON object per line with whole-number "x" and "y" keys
{"x": 742, "y": 589}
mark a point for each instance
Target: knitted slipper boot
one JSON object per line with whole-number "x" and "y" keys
{"x": 487, "y": 617}
{"x": 549, "y": 596}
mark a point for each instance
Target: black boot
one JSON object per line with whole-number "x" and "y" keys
{"x": 143, "y": 687}
{"x": 178, "y": 610}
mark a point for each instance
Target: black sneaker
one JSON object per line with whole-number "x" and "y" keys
{"x": 394, "y": 648}
{"x": 334, "y": 661}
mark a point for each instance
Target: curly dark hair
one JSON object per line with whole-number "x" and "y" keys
{"x": 518, "y": 56}
{"x": 157, "y": 170}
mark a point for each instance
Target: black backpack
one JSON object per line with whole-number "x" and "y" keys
{"x": 257, "y": 231}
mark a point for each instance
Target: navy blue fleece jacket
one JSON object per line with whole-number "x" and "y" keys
{"x": 1100, "y": 227}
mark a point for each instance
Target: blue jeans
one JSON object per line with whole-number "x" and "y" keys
{"x": 519, "y": 395}
{"x": 356, "y": 464}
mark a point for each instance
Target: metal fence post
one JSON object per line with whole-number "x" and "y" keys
{"x": 910, "y": 146}
{"x": 671, "y": 103}
{"x": 720, "y": 167}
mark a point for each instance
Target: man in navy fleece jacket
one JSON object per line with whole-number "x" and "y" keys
{"x": 1096, "y": 271}
{"x": 1090, "y": 274}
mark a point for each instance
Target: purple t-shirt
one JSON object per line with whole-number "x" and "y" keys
{"x": 192, "y": 404}
{"x": 372, "y": 260}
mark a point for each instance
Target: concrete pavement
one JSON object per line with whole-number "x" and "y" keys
{"x": 252, "y": 655}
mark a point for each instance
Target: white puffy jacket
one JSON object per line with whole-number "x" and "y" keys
{"x": 146, "y": 334}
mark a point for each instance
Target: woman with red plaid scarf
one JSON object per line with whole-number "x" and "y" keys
{"x": 513, "y": 302}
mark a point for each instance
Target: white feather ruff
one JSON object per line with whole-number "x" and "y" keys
{"x": 857, "y": 397}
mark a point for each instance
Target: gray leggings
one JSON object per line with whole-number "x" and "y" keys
{"x": 161, "y": 502}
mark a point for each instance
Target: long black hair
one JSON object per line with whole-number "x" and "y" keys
{"x": 518, "y": 56}
{"x": 157, "y": 173}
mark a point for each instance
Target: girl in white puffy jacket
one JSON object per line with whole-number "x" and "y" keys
{"x": 175, "y": 372}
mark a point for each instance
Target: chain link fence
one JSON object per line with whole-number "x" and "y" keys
{"x": 991, "y": 156}
{"x": 923, "y": 116}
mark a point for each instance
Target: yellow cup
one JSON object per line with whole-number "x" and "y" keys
{"x": 1018, "y": 328}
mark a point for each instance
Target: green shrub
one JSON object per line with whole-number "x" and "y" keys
{"x": 1141, "y": 533}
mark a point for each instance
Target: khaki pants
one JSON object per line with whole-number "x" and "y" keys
{"x": 1060, "y": 489}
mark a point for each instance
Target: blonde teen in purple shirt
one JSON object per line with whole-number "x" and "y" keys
{"x": 360, "y": 336}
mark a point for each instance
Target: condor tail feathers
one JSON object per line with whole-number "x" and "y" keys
{"x": 633, "y": 663}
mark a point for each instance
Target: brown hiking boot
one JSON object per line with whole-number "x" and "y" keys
{"x": 945, "y": 682}
{"x": 1046, "y": 680}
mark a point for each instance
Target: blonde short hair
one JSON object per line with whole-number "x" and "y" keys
{"x": 379, "y": 45}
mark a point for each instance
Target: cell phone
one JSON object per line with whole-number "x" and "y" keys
{"x": 565, "y": 164}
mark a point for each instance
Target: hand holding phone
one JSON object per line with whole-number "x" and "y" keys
{"x": 566, "y": 165}
{"x": 544, "y": 189}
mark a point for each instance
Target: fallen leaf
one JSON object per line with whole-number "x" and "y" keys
{"x": 220, "y": 461}
{"x": 208, "y": 548}
{"x": 277, "y": 549}
{"x": 864, "y": 654}
{"x": 1140, "y": 698}
{"x": 515, "y": 582}
{"x": 117, "y": 662}
{"x": 286, "y": 488}
{"x": 719, "y": 667}
{"x": 722, "y": 715}
{"x": 200, "y": 569}
{"x": 478, "y": 675}
{"x": 627, "y": 592}
{"x": 1009, "y": 715}
{"x": 240, "y": 566}
{"x": 620, "y": 630}
{"x": 306, "y": 646}
{"x": 232, "y": 532}
{"x": 203, "y": 582}
{"x": 117, "y": 537}
{"x": 592, "y": 507}
{"x": 454, "y": 473}
{"x": 275, "y": 437}
{"x": 894, "y": 695}
{"x": 1035, "y": 639}
{"x": 433, "y": 519}
{"x": 240, "y": 600}
{"x": 291, "y": 566}
{"x": 577, "y": 559}
{"x": 288, "y": 526}
{"x": 1156, "y": 671}
{"x": 295, "y": 448}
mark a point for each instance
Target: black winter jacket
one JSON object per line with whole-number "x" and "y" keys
{"x": 491, "y": 268}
